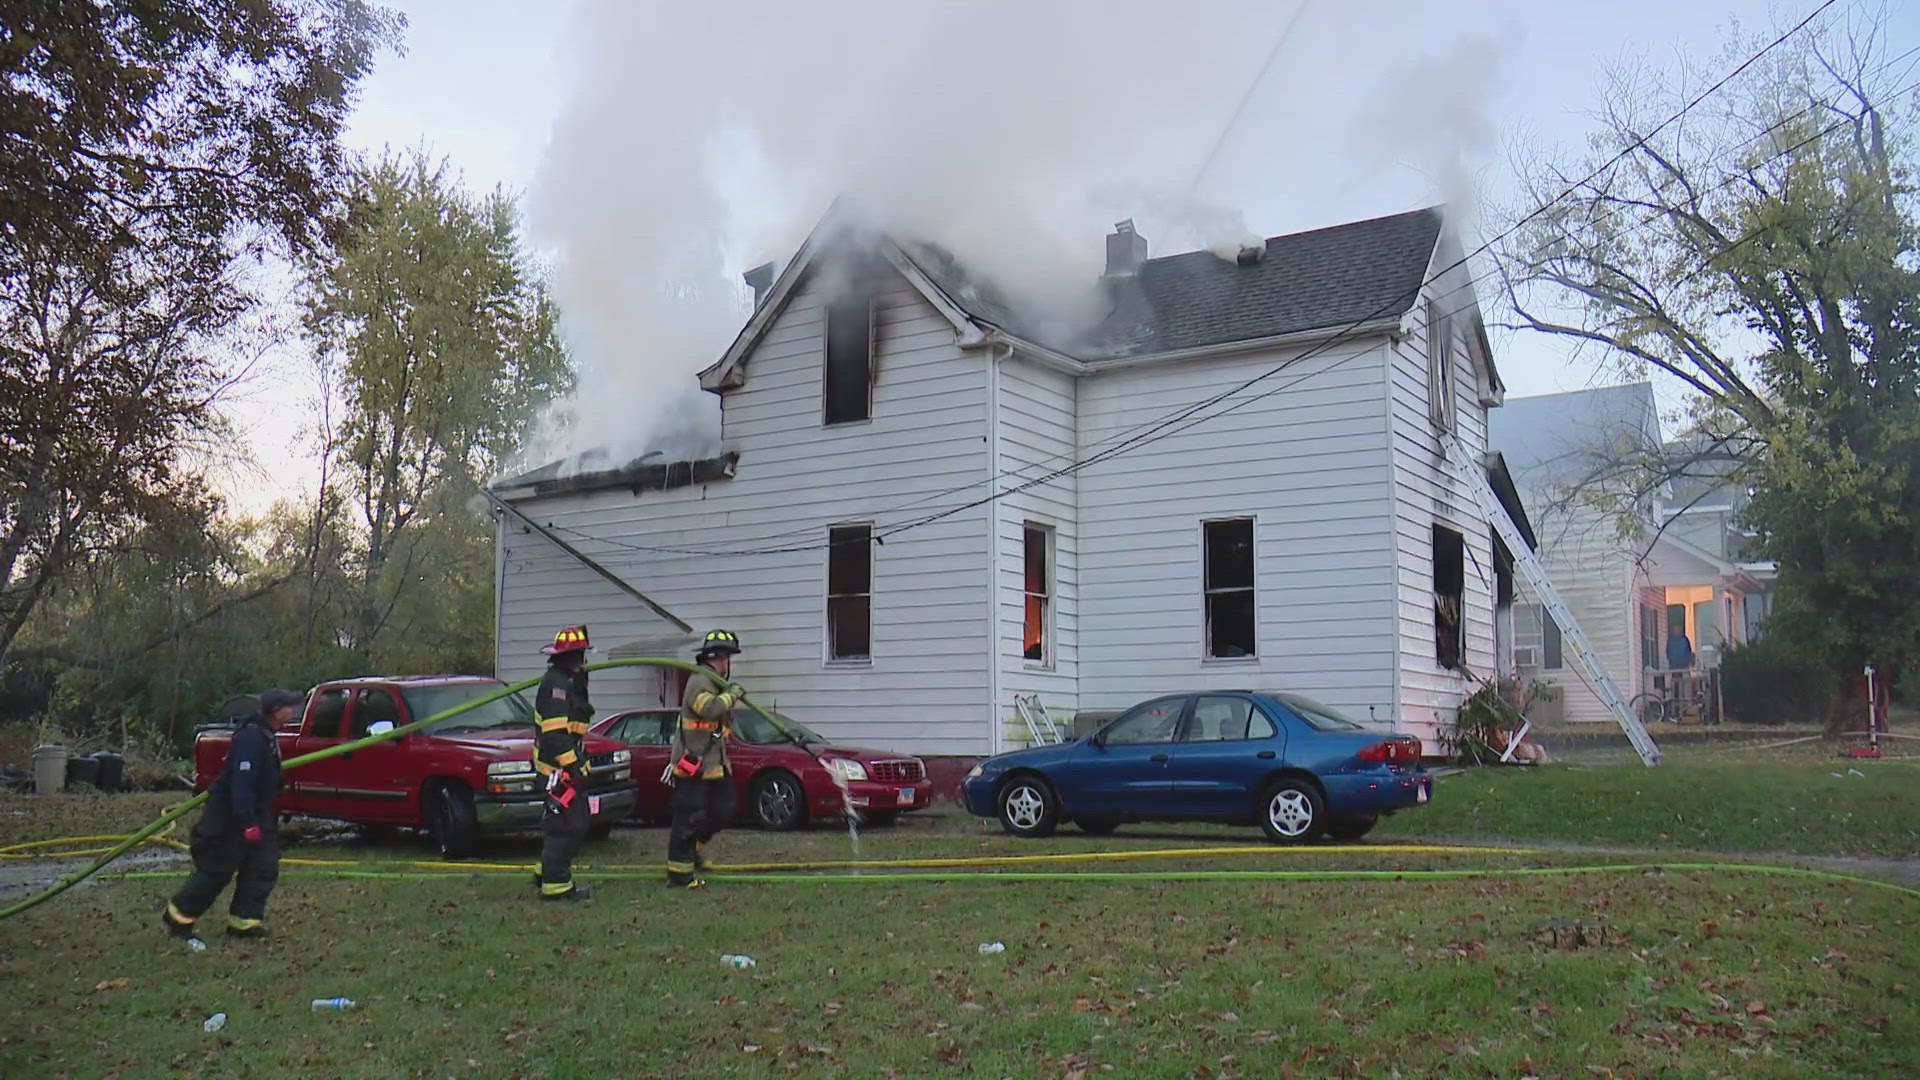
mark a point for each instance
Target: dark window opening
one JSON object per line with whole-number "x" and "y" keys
{"x": 1229, "y": 589}
{"x": 1440, "y": 403}
{"x": 1550, "y": 654}
{"x": 850, "y": 592}
{"x": 849, "y": 380}
{"x": 1449, "y": 596}
{"x": 1035, "y": 643}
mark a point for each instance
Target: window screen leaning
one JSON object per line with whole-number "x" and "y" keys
{"x": 850, "y": 592}
{"x": 1229, "y": 588}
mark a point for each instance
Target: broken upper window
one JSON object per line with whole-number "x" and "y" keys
{"x": 1440, "y": 389}
{"x": 849, "y": 363}
{"x": 1229, "y": 588}
{"x": 1036, "y": 640}
{"x": 850, "y": 592}
{"x": 1449, "y": 596}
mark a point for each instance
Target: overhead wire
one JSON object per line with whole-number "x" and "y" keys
{"x": 1149, "y": 432}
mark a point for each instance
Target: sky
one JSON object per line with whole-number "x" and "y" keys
{"x": 1369, "y": 107}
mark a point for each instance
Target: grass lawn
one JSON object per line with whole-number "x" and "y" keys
{"x": 43, "y": 817}
{"x": 471, "y": 976}
{"x": 1743, "y": 802}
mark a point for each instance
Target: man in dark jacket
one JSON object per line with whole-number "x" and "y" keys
{"x": 238, "y": 835}
{"x": 561, "y": 711}
{"x": 697, "y": 764}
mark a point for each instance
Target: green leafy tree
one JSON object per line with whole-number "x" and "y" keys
{"x": 442, "y": 339}
{"x": 1763, "y": 253}
{"x": 149, "y": 151}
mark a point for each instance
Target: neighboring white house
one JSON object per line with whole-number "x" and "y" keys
{"x": 927, "y": 505}
{"x": 1626, "y": 580}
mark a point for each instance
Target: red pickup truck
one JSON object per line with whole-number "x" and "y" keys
{"x": 468, "y": 775}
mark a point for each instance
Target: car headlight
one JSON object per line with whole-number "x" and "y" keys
{"x": 621, "y": 757}
{"x": 976, "y": 772}
{"x": 510, "y": 768}
{"x": 851, "y": 770}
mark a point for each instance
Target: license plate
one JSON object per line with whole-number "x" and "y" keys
{"x": 593, "y": 803}
{"x": 906, "y": 795}
{"x": 1422, "y": 796}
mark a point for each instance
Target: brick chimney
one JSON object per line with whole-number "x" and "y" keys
{"x": 1126, "y": 250}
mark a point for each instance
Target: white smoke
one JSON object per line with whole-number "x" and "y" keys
{"x": 703, "y": 139}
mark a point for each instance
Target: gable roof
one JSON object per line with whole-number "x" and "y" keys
{"x": 1357, "y": 273}
{"x": 1558, "y": 439}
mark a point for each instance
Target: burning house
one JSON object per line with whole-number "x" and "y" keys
{"x": 930, "y": 503}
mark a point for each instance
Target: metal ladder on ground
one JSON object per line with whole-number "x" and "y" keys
{"x": 1039, "y": 725}
{"x": 1474, "y": 477}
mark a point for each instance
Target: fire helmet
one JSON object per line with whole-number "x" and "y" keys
{"x": 569, "y": 639}
{"x": 719, "y": 641}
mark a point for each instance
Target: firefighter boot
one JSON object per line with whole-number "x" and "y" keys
{"x": 700, "y": 863}
{"x": 177, "y": 926}
{"x": 576, "y": 892}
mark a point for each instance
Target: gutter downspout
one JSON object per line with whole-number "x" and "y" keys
{"x": 1395, "y": 690}
{"x": 993, "y": 547}
{"x": 617, "y": 582}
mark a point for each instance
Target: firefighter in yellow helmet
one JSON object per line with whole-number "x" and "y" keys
{"x": 561, "y": 711}
{"x": 697, "y": 764}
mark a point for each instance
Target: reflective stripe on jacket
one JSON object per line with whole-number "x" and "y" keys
{"x": 561, "y": 712}
{"x": 706, "y": 716}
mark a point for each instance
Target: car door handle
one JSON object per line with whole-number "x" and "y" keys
{"x": 1159, "y": 757}
{"x": 1266, "y": 755}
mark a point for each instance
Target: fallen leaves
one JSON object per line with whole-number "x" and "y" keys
{"x": 111, "y": 984}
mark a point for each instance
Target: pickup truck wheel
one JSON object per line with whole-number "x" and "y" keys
{"x": 451, "y": 821}
{"x": 778, "y": 801}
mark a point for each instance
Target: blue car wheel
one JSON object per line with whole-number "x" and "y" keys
{"x": 1292, "y": 811}
{"x": 1028, "y": 807}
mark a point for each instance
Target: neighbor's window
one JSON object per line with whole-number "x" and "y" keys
{"x": 850, "y": 592}
{"x": 1229, "y": 588}
{"x": 849, "y": 363}
{"x": 1440, "y": 406}
{"x": 1036, "y": 635}
{"x": 1449, "y": 596}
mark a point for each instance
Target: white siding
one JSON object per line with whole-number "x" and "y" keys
{"x": 926, "y": 688}
{"x": 1308, "y": 462}
{"x": 1426, "y": 494}
{"x": 1593, "y": 573}
{"x": 1035, "y": 424}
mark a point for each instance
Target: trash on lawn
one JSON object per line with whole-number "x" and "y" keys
{"x": 332, "y": 1004}
{"x": 215, "y": 1022}
{"x": 196, "y": 945}
{"x": 994, "y": 947}
{"x": 732, "y": 960}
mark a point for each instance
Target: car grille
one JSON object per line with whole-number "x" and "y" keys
{"x": 896, "y": 772}
{"x": 600, "y": 761}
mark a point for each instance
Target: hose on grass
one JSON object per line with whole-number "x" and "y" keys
{"x": 1127, "y": 876}
{"x": 174, "y": 813}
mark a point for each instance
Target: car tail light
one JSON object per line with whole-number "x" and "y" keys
{"x": 1390, "y": 751}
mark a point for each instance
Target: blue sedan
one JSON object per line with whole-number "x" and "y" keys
{"x": 1296, "y": 767}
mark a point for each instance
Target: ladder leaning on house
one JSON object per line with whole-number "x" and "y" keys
{"x": 1040, "y": 726}
{"x": 1475, "y": 479}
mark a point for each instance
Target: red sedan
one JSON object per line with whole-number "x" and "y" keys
{"x": 778, "y": 784}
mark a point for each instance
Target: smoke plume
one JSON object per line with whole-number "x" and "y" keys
{"x": 703, "y": 139}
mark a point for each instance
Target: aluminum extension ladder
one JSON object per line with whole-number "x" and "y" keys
{"x": 1474, "y": 477}
{"x": 1039, "y": 725}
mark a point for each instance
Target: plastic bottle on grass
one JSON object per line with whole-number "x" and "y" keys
{"x": 195, "y": 945}
{"x": 733, "y": 960}
{"x": 215, "y": 1022}
{"x": 994, "y": 947}
{"x": 333, "y": 1004}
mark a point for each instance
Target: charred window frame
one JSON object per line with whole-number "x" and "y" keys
{"x": 1552, "y": 657}
{"x": 1036, "y": 633}
{"x": 1228, "y": 585}
{"x": 1440, "y": 374}
{"x": 1449, "y": 596}
{"x": 848, "y": 349}
{"x": 850, "y": 594}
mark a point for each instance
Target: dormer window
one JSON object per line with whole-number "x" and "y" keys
{"x": 1440, "y": 374}
{"x": 848, "y": 393}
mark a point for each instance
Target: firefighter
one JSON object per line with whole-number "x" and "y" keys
{"x": 697, "y": 764}
{"x": 561, "y": 711}
{"x": 238, "y": 835}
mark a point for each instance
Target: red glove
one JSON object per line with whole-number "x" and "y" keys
{"x": 253, "y": 834}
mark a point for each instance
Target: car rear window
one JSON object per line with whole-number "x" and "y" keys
{"x": 507, "y": 712}
{"x": 1317, "y": 715}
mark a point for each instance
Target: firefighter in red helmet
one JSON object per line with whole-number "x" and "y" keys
{"x": 697, "y": 764}
{"x": 561, "y": 711}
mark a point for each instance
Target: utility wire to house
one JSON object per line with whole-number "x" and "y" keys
{"x": 1172, "y": 423}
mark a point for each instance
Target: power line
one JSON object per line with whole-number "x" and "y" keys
{"x": 1156, "y": 430}
{"x": 1259, "y": 76}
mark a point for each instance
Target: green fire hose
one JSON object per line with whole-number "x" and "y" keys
{"x": 176, "y": 812}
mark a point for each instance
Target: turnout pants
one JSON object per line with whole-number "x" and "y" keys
{"x": 221, "y": 854}
{"x": 701, "y": 809}
{"x": 565, "y": 831}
